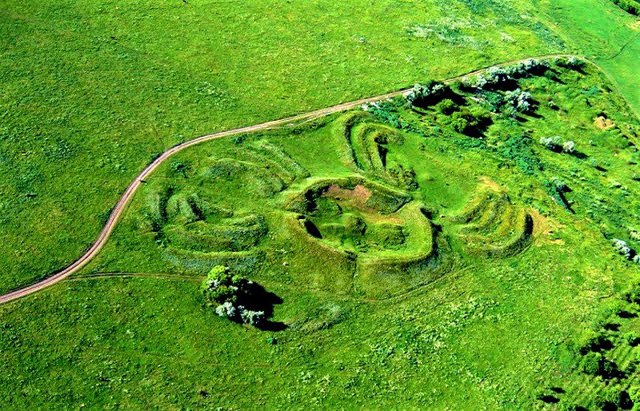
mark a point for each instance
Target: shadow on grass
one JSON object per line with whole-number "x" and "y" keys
{"x": 258, "y": 298}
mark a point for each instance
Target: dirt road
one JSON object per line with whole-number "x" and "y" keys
{"x": 121, "y": 206}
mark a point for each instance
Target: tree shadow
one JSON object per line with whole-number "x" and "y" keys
{"x": 612, "y": 327}
{"x": 478, "y": 130}
{"x": 257, "y": 298}
{"x": 579, "y": 154}
{"x": 626, "y": 314}
{"x": 549, "y": 399}
{"x": 611, "y": 371}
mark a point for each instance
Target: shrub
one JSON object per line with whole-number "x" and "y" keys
{"x": 446, "y": 106}
{"x": 495, "y": 100}
{"x": 226, "y": 290}
{"x": 518, "y": 149}
{"x": 518, "y": 101}
{"x": 591, "y": 363}
{"x": 594, "y": 363}
{"x": 633, "y": 295}
{"x": 255, "y": 318}
{"x": 527, "y": 67}
{"x": 631, "y": 338}
{"x": 569, "y": 147}
{"x": 551, "y": 143}
{"x": 622, "y": 248}
{"x": 221, "y": 287}
{"x": 572, "y": 63}
{"x": 227, "y": 310}
{"x": 557, "y": 188}
{"x": 496, "y": 75}
{"x": 468, "y": 122}
{"x": 425, "y": 94}
{"x": 460, "y": 123}
{"x": 180, "y": 168}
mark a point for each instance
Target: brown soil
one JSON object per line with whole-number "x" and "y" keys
{"x": 358, "y": 196}
{"x": 603, "y": 123}
{"x": 543, "y": 227}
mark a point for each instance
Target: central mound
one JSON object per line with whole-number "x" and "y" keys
{"x": 386, "y": 236}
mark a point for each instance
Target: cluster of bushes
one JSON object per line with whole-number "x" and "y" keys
{"x": 471, "y": 122}
{"x": 527, "y": 68}
{"x": 557, "y": 189}
{"x": 387, "y": 112}
{"x": 518, "y": 150}
{"x": 630, "y": 6}
{"x": 499, "y": 77}
{"x": 492, "y": 78}
{"x": 594, "y": 363}
{"x": 517, "y": 101}
{"x": 624, "y": 250}
{"x": 572, "y": 63}
{"x": 426, "y": 94}
{"x": 556, "y": 144}
{"x": 228, "y": 293}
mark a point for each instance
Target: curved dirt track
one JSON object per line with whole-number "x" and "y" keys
{"x": 120, "y": 207}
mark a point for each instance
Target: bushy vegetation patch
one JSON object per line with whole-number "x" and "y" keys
{"x": 630, "y": 6}
{"x": 237, "y": 298}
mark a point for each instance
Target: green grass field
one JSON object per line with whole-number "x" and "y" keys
{"x": 451, "y": 254}
{"x": 92, "y": 91}
{"x": 489, "y": 320}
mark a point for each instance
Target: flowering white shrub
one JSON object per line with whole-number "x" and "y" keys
{"x": 552, "y": 143}
{"x": 227, "y": 310}
{"x": 569, "y": 147}
{"x": 250, "y": 317}
{"x": 422, "y": 93}
{"x": 622, "y": 248}
{"x": 520, "y": 101}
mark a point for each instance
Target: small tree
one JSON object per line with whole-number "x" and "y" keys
{"x": 255, "y": 318}
{"x": 221, "y": 286}
{"x": 552, "y": 143}
{"x": 569, "y": 147}
{"x": 518, "y": 101}
{"x": 425, "y": 94}
{"x": 621, "y": 248}
{"x": 446, "y": 106}
{"x": 228, "y": 293}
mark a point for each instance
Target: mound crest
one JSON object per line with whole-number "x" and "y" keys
{"x": 264, "y": 167}
{"x": 492, "y": 226}
{"x": 386, "y": 239}
{"x": 196, "y": 235}
{"x": 366, "y": 149}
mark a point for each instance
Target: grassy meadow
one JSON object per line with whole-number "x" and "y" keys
{"x": 92, "y": 91}
{"x": 475, "y": 249}
{"x": 493, "y": 314}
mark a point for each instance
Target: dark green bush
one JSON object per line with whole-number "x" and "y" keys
{"x": 517, "y": 149}
{"x": 446, "y": 106}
